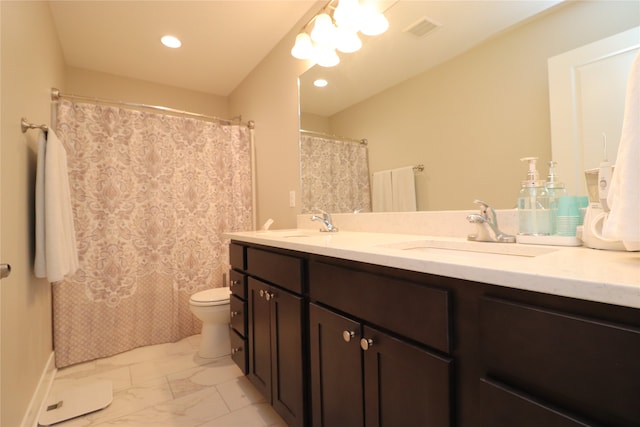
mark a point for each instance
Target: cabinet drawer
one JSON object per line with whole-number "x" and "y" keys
{"x": 410, "y": 309}
{"x": 239, "y": 353}
{"x": 237, "y": 256}
{"x": 587, "y": 366}
{"x": 238, "y": 315}
{"x": 283, "y": 270}
{"x": 238, "y": 284}
{"x": 504, "y": 407}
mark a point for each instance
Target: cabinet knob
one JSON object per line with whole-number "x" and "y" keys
{"x": 234, "y": 313}
{"x": 347, "y": 335}
{"x": 269, "y": 295}
{"x": 365, "y": 343}
{"x": 261, "y": 293}
{"x": 232, "y": 283}
{"x": 236, "y": 350}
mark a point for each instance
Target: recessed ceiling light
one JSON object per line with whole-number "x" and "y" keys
{"x": 320, "y": 83}
{"x": 171, "y": 41}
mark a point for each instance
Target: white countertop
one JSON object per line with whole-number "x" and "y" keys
{"x": 577, "y": 272}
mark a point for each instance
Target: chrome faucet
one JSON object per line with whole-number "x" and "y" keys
{"x": 486, "y": 223}
{"x": 326, "y": 220}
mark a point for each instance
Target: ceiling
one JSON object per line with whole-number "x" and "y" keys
{"x": 397, "y": 55}
{"x": 222, "y": 41}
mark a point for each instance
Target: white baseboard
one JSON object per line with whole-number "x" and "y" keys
{"x": 40, "y": 394}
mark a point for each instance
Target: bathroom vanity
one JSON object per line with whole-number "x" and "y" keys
{"x": 378, "y": 329}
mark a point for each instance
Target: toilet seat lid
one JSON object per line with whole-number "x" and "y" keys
{"x": 216, "y": 296}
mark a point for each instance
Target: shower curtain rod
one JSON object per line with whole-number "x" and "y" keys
{"x": 56, "y": 95}
{"x": 362, "y": 141}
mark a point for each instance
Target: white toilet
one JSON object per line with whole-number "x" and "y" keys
{"x": 212, "y": 307}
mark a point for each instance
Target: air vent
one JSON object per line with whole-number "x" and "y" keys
{"x": 421, "y": 28}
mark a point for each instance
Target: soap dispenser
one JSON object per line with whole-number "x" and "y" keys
{"x": 555, "y": 189}
{"x": 534, "y": 216}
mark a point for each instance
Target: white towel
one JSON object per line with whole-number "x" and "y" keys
{"x": 623, "y": 222}
{"x": 56, "y": 250}
{"x": 382, "y": 192}
{"x": 403, "y": 185}
{"x": 40, "y": 266}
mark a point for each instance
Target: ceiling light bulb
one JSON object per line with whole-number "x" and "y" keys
{"x": 171, "y": 41}
{"x": 326, "y": 56}
{"x": 303, "y": 48}
{"x": 347, "y": 41}
{"x": 323, "y": 30}
{"x": 348, "y": 15}
{"x": 320, "y": 83}
{"x": 373, "y": 22}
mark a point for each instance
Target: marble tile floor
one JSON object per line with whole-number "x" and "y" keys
{"x": 169, "y": 385}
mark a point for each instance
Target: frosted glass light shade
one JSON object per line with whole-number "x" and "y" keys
{"x": 373, "y": 22}
{"x": 326, "y": 56}
{"x": 323, "y": 30}
{"x": 303, "y": 48}
{"x": 347, "y": 41}
{"x": 347, "y": 15}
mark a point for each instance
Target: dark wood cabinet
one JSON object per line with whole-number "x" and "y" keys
{"x": 364, "y": 376}
{"x": 238, "y": 309}
{"x": 584, "y": 367}
{"x": 334, "y": 343}
{"x": 276, "y": 347}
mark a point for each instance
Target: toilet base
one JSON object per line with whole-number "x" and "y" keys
{"x": 214, "y": 341}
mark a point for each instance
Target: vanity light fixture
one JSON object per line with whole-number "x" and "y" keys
{"x": 336, "y": 27}
{"x": 171, "y": 41}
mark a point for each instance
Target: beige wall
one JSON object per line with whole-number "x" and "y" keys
{"x": 269, "y": 96}
{"x": 101, "y": 85}
{"x": 490, "y": 103}
{"x": 31, "y": 63}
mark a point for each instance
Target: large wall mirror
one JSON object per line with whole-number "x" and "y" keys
{"x": 466, "y": 100}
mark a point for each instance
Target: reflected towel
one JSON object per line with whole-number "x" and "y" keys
{"x": 56, "y": 250}
{"x": 382, "y": 192}
{"x": 403, "y": 184}
{"x": 623, "y": 222}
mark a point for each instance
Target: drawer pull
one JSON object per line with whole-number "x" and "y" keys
{"x": 365, "y": 343}
{"x": 236, "y": 350}
{"x": 233, "y": 283}
{"x": 347, "y": 335}
{"x": 235, "y": 313}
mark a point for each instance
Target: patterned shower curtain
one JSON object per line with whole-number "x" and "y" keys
{"x": 151, "y": 196}
{"x": 334, "y": 175}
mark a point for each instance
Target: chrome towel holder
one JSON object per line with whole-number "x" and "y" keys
{"x": 25, "y": 126}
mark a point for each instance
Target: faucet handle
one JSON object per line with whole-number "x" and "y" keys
{"x": 325, "y": 214}
{"x": 487, "y": 211}
{"x": 483, "y": 205}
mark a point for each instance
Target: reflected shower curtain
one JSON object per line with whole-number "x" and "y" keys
{"x": 334, "y": 175}
{"x": 151, "y": 195}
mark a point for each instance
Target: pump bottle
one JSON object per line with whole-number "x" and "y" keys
{"x": 534, "y": 216}
{"x": 555, "y": 189}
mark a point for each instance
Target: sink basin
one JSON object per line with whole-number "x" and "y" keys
{"x": 464, "y": 246}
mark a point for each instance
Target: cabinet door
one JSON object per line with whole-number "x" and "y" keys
{"x": 259, "y": 337}
{"x": 404, "y": 385}
{"x": 336, "y": 370}
{"x": 287, "y": 355}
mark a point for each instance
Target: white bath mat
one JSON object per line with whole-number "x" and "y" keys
{"x": 76, "y": 401}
